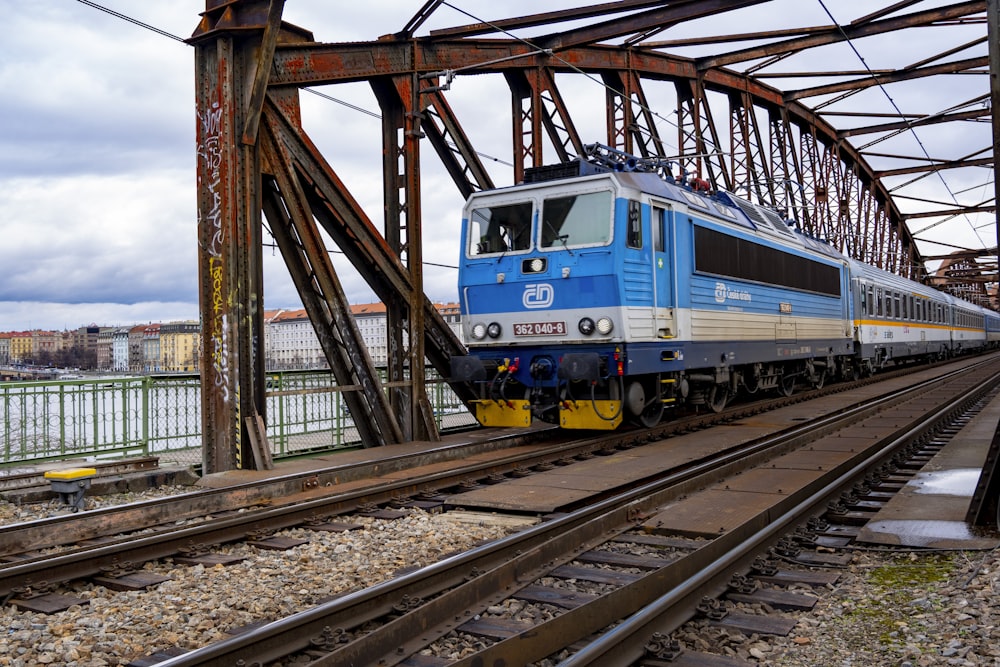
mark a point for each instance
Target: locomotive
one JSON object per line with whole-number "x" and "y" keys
{"x": 604, "y": 290}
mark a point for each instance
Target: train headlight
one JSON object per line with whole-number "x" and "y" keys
{"x": 479, "y": 331}
{"x": 494, "y": 330}
{"x": 586, "y": 326}
{"x": 605, "y": 326}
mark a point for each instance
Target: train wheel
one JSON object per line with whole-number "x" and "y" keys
{"x": 651, "y": 415}
{"x": 717, "y": 398}
{"x": 786, "y": 385}
{"x": 820, "y": 380}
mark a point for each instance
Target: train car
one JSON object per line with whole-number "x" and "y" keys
{"x": 897, "y": 319}
{"x": 991, "y": 318}
{"x": 608, "y": 295}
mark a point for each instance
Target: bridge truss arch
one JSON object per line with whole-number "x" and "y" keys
{"x": 719, "y": 114}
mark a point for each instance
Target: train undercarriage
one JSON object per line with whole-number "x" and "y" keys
{"x": 586, "y": 393}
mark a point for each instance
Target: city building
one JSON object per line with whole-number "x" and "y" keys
{"x": 20, "y": 347}
{"x": 135, "y": 353}
{"x": 179, "y": 347}
{"x": 119, "y": 350}
{"x": 290, "y": 342}
{"x": 151, "y": 348}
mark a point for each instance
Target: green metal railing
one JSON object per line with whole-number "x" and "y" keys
{"x": 160, "y": 415}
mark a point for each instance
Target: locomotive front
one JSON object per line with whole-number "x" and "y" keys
{"x": 540, "y": 303}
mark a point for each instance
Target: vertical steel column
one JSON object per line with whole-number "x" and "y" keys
{"x": 229, "y": 244}
{"x": 526, "y": 116}
{"x": 400, "y": 103}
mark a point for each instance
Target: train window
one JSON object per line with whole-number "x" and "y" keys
{"x": 722, "y": 254}
{"x": 864, "y": 300}
{"x": 888, "y": 304}
{"x": 658, "y": 224}
{"x": 576, "y": 220}
{"x": 906, "y": 311}
{"x": 878, "y": 301}
{"x": 500, "y": 229}
{"x": 895, "y": 306}
{"x": 871, "y": 300}
{"x": 634, "y": 224}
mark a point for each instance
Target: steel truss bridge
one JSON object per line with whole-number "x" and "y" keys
{"x": 792, "y": 117}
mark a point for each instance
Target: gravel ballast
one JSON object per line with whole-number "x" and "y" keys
{"x": 899, "y": 608}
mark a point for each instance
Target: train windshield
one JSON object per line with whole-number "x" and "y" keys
{"x": 494, "y": 230}
{"x": 576, "y": 220}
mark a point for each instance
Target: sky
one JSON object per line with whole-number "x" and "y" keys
{"x": 98, "y": 220}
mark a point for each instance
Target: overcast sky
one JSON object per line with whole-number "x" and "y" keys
{"x": 97, "y": 151}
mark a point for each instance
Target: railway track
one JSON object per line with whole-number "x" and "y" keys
{"x": 71, "y": 547}
{"x": 20, "y": 542}
{"x": 410, "y": 620}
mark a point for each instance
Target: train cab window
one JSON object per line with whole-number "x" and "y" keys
{"x": 494, "y": 230}
{"x": 577, "y": 220}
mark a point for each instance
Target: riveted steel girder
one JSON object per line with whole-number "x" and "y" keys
{"x": 743, "y": 135}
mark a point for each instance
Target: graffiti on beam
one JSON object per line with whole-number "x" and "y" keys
{"x": 210, "y": 221}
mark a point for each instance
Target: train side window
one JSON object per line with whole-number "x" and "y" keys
{"x": 871, "y": 300}
{"x": 634, "y": 224}
{"x": 878, "y": 302}
{"x": 864, "y": 300}
{"x": 906, "y": 311}
{"x": 658, "y": 228}
{"x": 895, "y": 306}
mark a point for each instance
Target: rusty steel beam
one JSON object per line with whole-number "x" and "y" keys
{"x": 545, "y": 18}
{"x": 399, "y": 98}
{"x": 938, "y": 166}
{"x": 309, "y": 265}
{"x": 906, "y": 125}
{"x": 835, "y": 34}
{"x": 676, "y": 12}
{"x": 227, "y": 45}
{"x": 963, "y": 210}
{"x": 452, "y": 144}
{"x": 899, "y": 75}
{"x": 355, "y": 234}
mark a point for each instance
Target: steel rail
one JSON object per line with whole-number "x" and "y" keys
{"x": 500, "y": 565}
{"x": 99, "y": 523}
{"x": 622, "y": 645}
{"x": 92, "y": 524}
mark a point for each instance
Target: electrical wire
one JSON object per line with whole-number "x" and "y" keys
{"x": 892, "y": 102}
{"x": 131, "y": 20}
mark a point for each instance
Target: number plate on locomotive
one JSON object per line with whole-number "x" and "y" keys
{"x": 540, "y": 329}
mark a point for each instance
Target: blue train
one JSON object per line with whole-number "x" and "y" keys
{"x": 605, "y": 291}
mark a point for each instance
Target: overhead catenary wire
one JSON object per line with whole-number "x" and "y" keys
{"x": 906, "y": 120}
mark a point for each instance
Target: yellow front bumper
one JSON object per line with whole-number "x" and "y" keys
{"x": 587, "y": 414}
{"x": 503, "y": 413}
